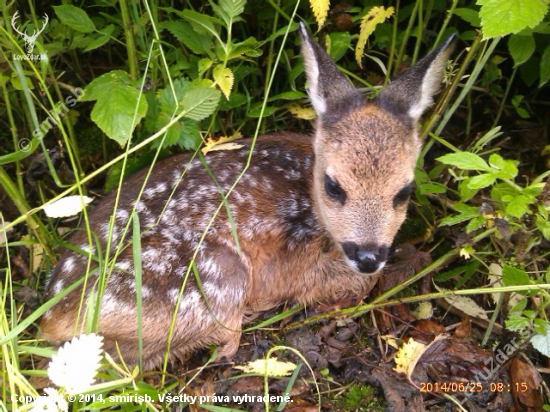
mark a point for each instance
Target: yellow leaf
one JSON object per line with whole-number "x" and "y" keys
{"x": 269, "y": 367}
{"x": 375, "y": 16}
{"x": 320, "y": 10}
{"x": 390, "y": 340}
{"x": 222, "y": 141}
{"x": 408, "y": 356}
{"x": 410, "y": 353}
{"x": 300, "y": 112}
{"x": 224, "y": 79}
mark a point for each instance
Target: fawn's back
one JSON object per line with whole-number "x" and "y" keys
{"x": 313, "y": 217}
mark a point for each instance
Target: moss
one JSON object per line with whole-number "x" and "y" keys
{"x": 359, "y": 398}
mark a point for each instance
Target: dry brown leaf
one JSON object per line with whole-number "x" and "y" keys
{"x": 465, "y": 304}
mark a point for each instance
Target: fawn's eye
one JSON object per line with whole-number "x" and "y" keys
{"x": 334, "y": 191}
{"x": 403, "y": 195}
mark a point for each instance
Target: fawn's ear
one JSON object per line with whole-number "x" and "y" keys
{"x": 411, "y": 93}
{"x": 327, "y": 87}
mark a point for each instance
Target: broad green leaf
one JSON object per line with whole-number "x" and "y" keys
{"x": 481, "y": 181}
{"x": 503, "y": 169}
{"x": 466, "y": 193}
{"x": 521, "y": 47}
{"x": 114, "y": 111}
{"x": 475, "y": 223}
{"x": 102, "y": 39}
{"x": 200, "y": 102}
{"x": 503, "y": 17}
{"x": 249, "y": 47}
{"x": 228, "y": 10}
{"x": 545, "y": 66}
{"x": 166, "y": 96}
{"x": 202, "y": 23}
{"x": 518, "y": 206}
{"x": 465, "y": 161}
{"x": 102, "y": 85}
{"x": 465, "y": 213}
{"x": 432, "y": 187}
{"x": 339, "y": 44}
{"x": 512, "y": 276}
{"x": 257, "y": 111}
{"x": 185, "y": 34}
{"x": 515, "y": 323}
{"x": 75, "y": 18}
{"x": 223, "y": 77}
{"x": 544, "y": 226}
{"x": 469, "y": 15}
{"x": 290, "y": 95}
{"x": 542, "y": 342}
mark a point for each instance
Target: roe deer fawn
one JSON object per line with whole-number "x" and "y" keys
{"x": 314, "y": 217}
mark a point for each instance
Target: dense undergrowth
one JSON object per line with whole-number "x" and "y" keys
{"x": 117, "y": 85}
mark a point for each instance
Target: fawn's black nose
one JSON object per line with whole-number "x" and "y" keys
{"x": 366, "y": 258}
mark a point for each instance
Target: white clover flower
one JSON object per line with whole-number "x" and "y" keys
{"x": 76, "y": 363}
{"x": 52, "y": 401}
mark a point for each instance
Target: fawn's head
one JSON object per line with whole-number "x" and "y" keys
{"x": 366, "y": 151}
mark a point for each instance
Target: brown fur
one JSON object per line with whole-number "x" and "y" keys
{"x": 296, "y": 243}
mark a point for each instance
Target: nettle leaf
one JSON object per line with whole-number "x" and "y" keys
{"x": 200, "y": 102}
{"x": 481, "y": 181}
{"x": 166, "y": 96}
{"x": 517, "y": 322}
{"x": 465, "y": 161}
{"x": 521, "y": 47}
{"x": 116, "y": 114}
{"x": 542, "y": 342}
{"x": 503, "y": 17}
{"x": 103, "y": 84}
{"x": 74, "y": 17}
{"x": 117, "y": 96}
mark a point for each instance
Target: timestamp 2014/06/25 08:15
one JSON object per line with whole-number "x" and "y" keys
{"x": 472, "y": 387}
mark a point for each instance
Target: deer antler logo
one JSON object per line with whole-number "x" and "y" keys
{"x": 29, "y": 40}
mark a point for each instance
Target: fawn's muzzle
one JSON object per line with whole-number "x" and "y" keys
{"x": 367, "y": 258}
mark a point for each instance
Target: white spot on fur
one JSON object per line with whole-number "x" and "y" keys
{"x": 68, "y": 265}
{"x": 58, "y": 286}
{"x": 145, "y": 292}
{"x": 122, "y": 214}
